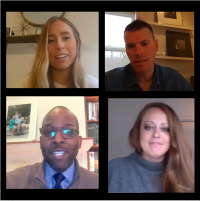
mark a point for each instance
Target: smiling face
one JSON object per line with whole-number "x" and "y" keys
{"x": 140, "y": 46}
{"x": 154, "y": 128}
{"x": 57, "y": 118}
{"x": 61, "y": 45}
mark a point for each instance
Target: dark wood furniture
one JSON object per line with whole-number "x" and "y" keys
{"x": 22, "y": 39}
{"x": 93, "y": 151}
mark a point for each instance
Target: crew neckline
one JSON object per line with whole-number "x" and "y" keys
{"x": 153, "y": 166}
{"x": 59, "y": 85}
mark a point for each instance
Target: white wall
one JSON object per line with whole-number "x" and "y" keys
{"x": 123, "y": 112}
{"x": 75, "y": 104}
{"x": 88, "y": 25}
{"x": 19, "y": 57}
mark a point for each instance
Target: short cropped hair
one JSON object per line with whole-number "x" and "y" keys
{"x": 137, "y": 25}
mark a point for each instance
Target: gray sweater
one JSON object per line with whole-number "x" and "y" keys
{"x": 133, "y": 174}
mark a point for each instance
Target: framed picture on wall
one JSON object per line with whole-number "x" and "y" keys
{"x": 21, "y": 120}
{"x": 178, "y": 44}
{"x": 173, "y": 18}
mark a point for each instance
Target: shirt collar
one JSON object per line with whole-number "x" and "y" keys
{"x": 50, "y": 172}
{"x": 132, "y": 79}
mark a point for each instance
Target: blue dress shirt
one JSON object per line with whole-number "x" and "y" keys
{"x": 50, "y": 172}
{"x": 164, "y": 79}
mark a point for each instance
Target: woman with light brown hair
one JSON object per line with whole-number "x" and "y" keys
{"x": 57, "y": 59}
{"x": 162, "y": 158}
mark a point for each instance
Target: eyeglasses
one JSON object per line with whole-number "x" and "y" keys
{"x": 67, "y": 132}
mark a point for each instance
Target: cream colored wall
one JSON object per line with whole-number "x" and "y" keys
{"x": 186, "y": 68}
{"x": 75, "y": 104}
{"x": 19, "y": 57}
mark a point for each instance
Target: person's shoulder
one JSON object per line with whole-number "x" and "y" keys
{"x": 25, "y": 169}
{"x": 114, "y": 79}
{"x": 166, "y": 70}
{"x": 118, "y": 162}
{"x": 22, "y": 83}
{"x": 174, "y": 78}
{"x": 88, "y": 174}
{"x": 91, "y": 82}
{"x": 14, "y": 177}
{"x": 116, "y": 71}
{"x": 91, "y": 179}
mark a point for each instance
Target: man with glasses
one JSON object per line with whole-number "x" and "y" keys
{"x": 59, "y": 142}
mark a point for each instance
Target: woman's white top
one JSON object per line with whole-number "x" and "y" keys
{"x": 91, "y": 82}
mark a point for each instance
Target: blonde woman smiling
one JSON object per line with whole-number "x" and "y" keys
{"x": 57, "y": 59}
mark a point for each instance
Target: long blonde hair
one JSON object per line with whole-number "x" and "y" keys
{"x": 40, "y": 75}
{"x": 178, "y": 172}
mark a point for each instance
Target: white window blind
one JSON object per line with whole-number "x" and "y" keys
{"x": 115, "y": 23}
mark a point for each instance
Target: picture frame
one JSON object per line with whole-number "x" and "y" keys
{"x": 178, "y": 44}
{"x": 171, "y": 18}
{"x": 8, "y": 31}
{"x": 21, "y": 118}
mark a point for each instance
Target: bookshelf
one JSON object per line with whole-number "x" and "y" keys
{"x": 91, "y": 99}
{"x": 92, "y": 122}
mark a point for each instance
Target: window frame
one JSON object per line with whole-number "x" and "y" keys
{"x": 132, "y": 15}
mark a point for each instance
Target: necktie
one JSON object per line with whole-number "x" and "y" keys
{"x": 58, "y": 178}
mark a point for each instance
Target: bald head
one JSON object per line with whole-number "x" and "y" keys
{"x": 58, "y": 110}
